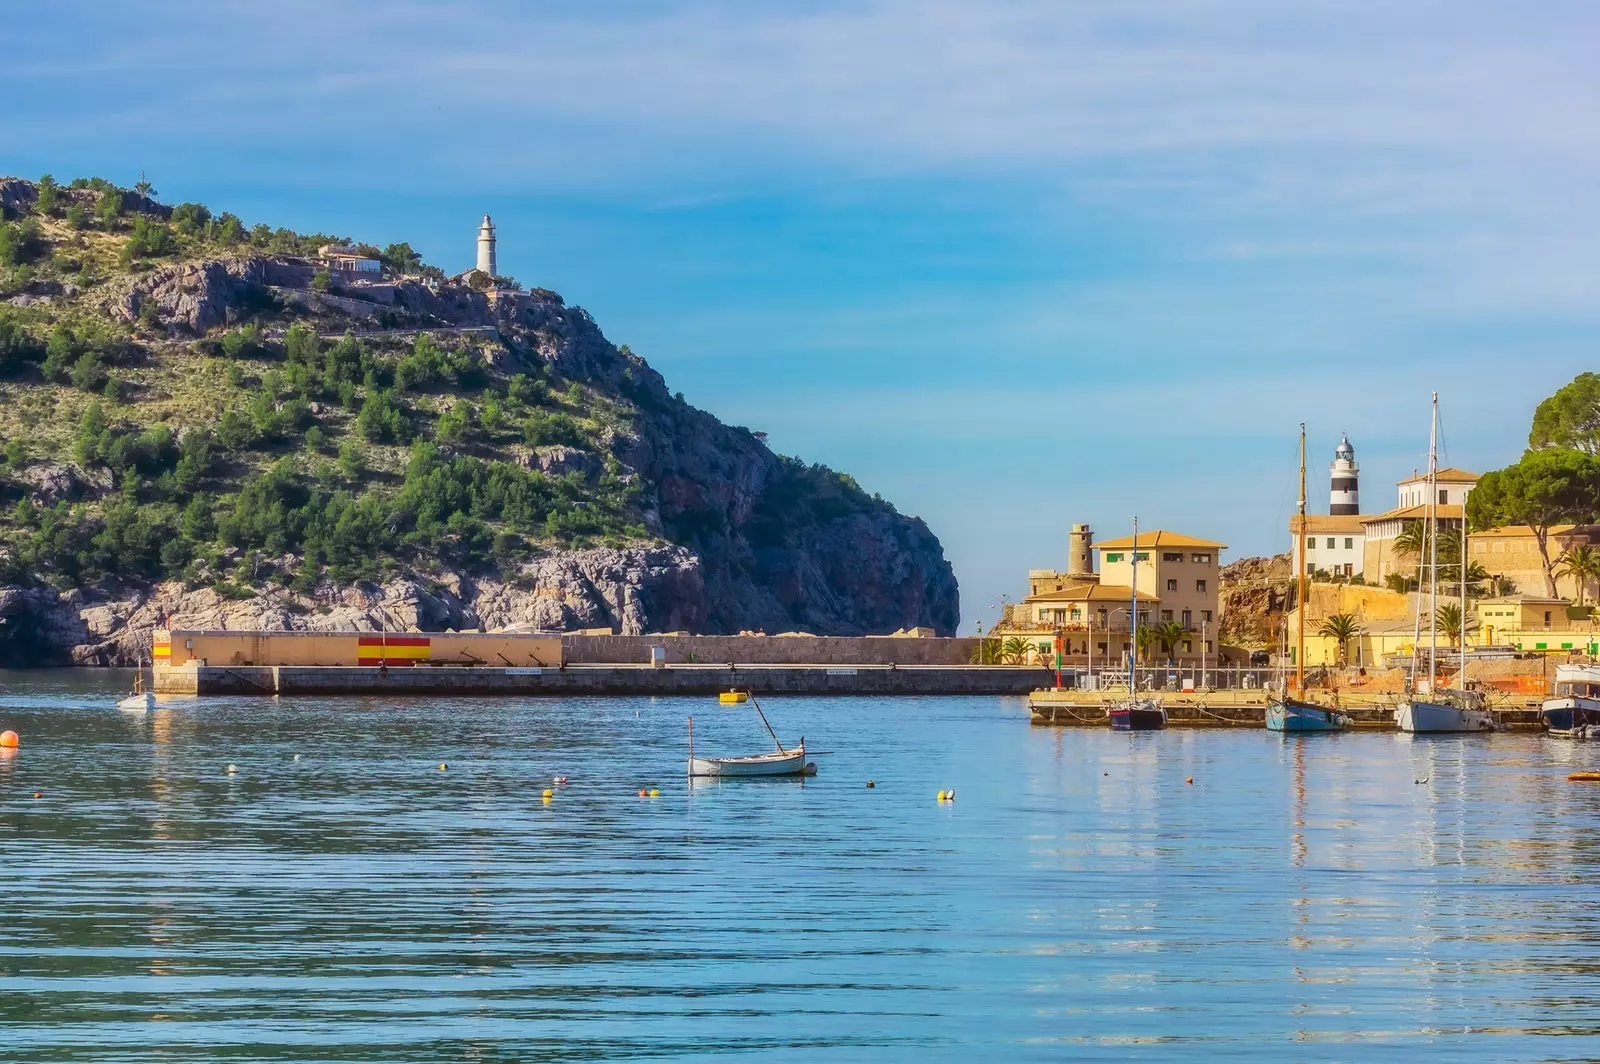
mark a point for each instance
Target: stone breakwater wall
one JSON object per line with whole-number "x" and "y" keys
{"x": 768, "y": 650}
{"x": 600, "y": 680}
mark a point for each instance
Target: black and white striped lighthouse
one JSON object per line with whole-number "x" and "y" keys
{"x": 1344, "y": 498}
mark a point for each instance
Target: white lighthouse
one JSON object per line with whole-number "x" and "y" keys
{"x": 1344, "y": 498}
{"x": 486, "y": 262}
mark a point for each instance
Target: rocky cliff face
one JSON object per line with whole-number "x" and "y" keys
{"x": 1255, "y": 594}
{"x": 630, "y": 591}
{"x": 745, "y": 539}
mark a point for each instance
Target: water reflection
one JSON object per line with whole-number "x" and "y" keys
{"x": 1299, "y": 900}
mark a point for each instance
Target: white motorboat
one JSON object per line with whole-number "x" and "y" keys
{"x": 784, "y": 761}
{"x": 1574, "y": 711}
{"x": 1444, "y": 710}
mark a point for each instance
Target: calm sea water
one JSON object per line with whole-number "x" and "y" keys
{"x": 1302, "y": 900}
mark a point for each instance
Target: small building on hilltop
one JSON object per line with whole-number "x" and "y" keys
{"x": 351, "y": 261}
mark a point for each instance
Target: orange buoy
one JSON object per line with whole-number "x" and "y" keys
{"x": 38, "y": 794}
{"x": 9, "y": 738}
{"x": 1584, "y": 777}
{"x": 1189, "y": 780}
{"x": 644, "y": 794}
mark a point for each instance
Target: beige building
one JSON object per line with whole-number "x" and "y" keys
{"x": 1513, "y": 553}
{"x": 1380, "y": 559}
{"x": 1178, "y": 581}
{"x": 1181, "y": 571}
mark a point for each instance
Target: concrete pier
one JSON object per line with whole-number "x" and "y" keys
{"x": 194, "y": 678}
{"x": 1235, "y": 709}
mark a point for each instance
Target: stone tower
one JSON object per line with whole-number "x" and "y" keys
{"x": 486, "y": 262}
{"x": 1344, "y": 498}
{"x": 1080, "y": 553}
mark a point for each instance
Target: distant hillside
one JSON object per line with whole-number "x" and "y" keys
{"x": 197, "y": 419}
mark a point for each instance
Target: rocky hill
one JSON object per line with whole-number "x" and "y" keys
{"x": 199, "y": 422}
{"x": 1255, "y": 593}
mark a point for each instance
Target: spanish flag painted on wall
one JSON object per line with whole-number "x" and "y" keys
{"x": 161, "y": 651}
{"x": 393, "y": 649}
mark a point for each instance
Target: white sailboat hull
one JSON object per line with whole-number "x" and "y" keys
{"x": 1427, "y": 717}
{"x": 786, "y": 763}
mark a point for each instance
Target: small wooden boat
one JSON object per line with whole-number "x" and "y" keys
{"x": 142, "y": 699}
{"x": 781, "y": 763}
{"x": 139, "y": 702}
{"x": 785, "y": 761}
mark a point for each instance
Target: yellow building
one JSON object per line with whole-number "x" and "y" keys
{"x": 1535, "y": 623}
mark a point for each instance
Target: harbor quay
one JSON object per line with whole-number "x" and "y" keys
{"x": 1244, "y": 708}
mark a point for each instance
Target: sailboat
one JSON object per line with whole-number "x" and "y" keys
{"x": 141, "y": 699}
{"x": 1297, "y": 714}
{"x": 789, "y": 761}
{"x": 1441, "y": 709}
{"x": 1134, "y": 713}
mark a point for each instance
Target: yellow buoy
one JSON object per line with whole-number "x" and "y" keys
{"x": 731, "y": 697}
{"x": 9, "y": 739}
{"x": 654, "y": 793}
{"x": 1584, "y": 777}
{"x": 548, "y": 793}
{"x": 443, "y": 766}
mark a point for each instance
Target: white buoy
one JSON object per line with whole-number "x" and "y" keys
{"x": 297, "y": 757}
{"x": 232, "y": 768}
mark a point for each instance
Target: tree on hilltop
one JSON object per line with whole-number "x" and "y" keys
{"x": 1546, "y": 488}
{"x": 1570, "y": 418}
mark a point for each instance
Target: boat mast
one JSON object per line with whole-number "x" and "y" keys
{"x": 1433, "y": 546}
{"x": 1133, "y": 617}
{"x": 1300, "y": 542}
{"x": 1461, "y": 676}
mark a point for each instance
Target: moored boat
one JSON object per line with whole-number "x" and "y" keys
{"x": 1134, "y": 713}
{"x": 1574, "y": 711}
{"x": 784, "y": 761}
{"x": 138, "y": 702}
{"x": 1430, "y": 709}
{"x": 1297, "y": 714}
{"x": 1141, "y": 714}
{"x": 1444, "y": 710}
{"x": 780, "y": 763}
{"x": 1288, "y": 714}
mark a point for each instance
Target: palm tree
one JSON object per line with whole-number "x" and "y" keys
{"x": 1169, "y": 634}
{"x": 1412, "y": 540}
{"x": 1448, "y": 618}
{"x": 1148, "y": 637}
{"x": 1343, "y": 627}
{"x": 1015, "y": 650}
{"x": 1582, "y": 564}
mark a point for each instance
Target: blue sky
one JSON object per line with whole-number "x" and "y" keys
{"x": 1012, "y": 264}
